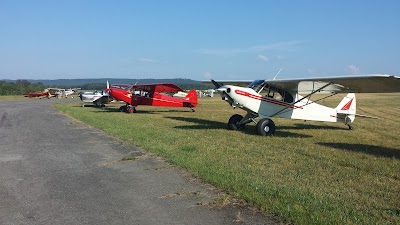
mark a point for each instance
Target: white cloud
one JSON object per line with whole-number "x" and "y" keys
{"x": 263, "y": 58}
{"x": 353, "y": 69}
{"x": 146, "y": 60}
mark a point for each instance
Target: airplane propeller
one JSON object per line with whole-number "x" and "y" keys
{"x": 216, "y": 84}
{"x": 222, "y": 91}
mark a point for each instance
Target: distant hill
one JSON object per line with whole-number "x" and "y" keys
{"x": 79, "y": 83}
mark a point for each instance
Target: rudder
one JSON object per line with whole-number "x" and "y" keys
{"x": 191, "y": 98}
{"x": 348, "y": 107}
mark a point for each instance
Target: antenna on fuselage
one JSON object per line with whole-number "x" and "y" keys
{"x": 263, "y": 85}
{"x": 277, "y": 73}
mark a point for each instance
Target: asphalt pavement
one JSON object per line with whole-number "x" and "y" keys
{"x": 56, "y": 170}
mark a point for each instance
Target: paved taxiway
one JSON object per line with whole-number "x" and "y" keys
{"x": 54, "y": 170}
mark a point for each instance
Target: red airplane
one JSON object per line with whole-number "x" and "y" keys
{"x": 151, "y": 94}
{"x": 44, "y": 93}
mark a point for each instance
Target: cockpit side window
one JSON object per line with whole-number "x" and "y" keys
{"x": 271, "y": 91}
{"x": 276, "y": 93}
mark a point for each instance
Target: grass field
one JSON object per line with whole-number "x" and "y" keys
{"x": 308, "y": 173}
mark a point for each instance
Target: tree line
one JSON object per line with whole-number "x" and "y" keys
{"x": 19, "y": 87}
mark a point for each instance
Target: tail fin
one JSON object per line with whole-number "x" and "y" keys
{"x": 191, "y": 98}
{"x": 348, "y": 107}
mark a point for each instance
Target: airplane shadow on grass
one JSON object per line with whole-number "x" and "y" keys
{"x": 201, "y": 124}
{"x": 209, "y": 124}
{"x": 367, "y": 149}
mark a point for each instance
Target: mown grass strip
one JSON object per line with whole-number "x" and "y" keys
{"x": 309, "y": 173}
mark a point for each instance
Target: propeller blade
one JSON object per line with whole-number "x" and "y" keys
{"x": 216, "y": 84}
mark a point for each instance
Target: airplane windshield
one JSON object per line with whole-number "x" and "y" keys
{"x": 256, "y": 85}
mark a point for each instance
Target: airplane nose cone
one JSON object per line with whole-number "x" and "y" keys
{"x": 224, "y": 90}
{"x": 221, "y": 89}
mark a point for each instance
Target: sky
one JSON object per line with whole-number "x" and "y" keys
{"x": 198, "y": 39}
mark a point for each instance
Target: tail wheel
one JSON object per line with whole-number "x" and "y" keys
{"x": 266, "y": 127}
{"x": 233, "y": 123}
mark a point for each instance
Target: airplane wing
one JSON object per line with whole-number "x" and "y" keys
{"x": 162, "y": 87}
{"x": 240, "y": 83}
{"x": 373, "y": 83}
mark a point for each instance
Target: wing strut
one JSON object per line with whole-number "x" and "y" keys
{"x": 305, "y": 97}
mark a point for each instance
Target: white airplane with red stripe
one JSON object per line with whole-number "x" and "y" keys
{"x": 290, "y": 98}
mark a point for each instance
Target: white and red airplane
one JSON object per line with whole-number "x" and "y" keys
{"x": 281, "y": 98}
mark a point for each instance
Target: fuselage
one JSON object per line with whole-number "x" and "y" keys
{"x": 95, "y": 97}
{"x": 274, "y": 102}
{"x": 153, "y": 98}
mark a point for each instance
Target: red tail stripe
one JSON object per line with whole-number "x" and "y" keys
{"x": 347, "y": 106}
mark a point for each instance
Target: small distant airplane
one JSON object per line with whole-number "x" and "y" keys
{"x": 98, "y": 98}
{"x": 59, "y": 93}
{"x": 281, "y": 98}
{"x": 65, "y": 92}
{"x": 69, "y": 92}
{"x": 39, "y": 94}
{"x": 51, "y": 93}
{"x": 151, "y": 94}
{"x": 56, "y": 92}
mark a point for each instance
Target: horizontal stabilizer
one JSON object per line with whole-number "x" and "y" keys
{"x": 359, "y": 115}
{"x": 366, "y": 116}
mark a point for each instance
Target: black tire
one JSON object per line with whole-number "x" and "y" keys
{"x": 131, "y": 109}
{"x": 266, "y": 127}
{"x": 233, "y": 122}
{"x": 122, "y": 108}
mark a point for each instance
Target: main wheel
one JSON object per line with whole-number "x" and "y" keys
{"x": 122, "y": 108}
{"x": 266, "y": 127}
{"x": 131, "y": 109}
{"x": 233, "y": 122}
